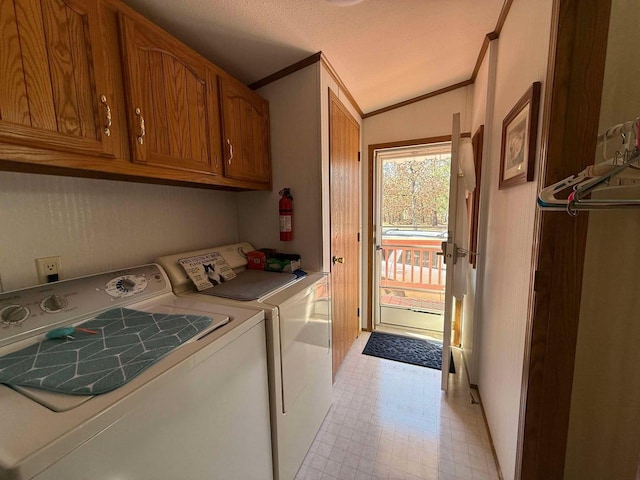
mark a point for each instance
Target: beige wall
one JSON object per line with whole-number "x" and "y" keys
{"x": 429, "y": 118}
{"x": 604, "y": 429}
{"x": 295, "y": 153}
{"x": 99, "y": 225}
{"x": 522, "y": 53}
{"x": 470, "y": 327}
{"x": 479, "y": 95}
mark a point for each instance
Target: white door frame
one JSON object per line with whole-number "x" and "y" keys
{"x": 450, "y": 252}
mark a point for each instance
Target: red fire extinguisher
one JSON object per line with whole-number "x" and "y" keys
{"x": 286, "y": 215}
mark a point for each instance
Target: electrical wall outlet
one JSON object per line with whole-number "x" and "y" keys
{"x": 49, "y": 269}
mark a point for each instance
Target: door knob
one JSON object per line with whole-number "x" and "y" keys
{"x": 337, "y": 259}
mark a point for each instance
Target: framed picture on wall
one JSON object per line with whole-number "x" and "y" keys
{"x": 473, "y": 198}
{"x": 519, "y": 135}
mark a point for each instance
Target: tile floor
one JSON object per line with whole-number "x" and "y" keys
{"x": 389, "y": 420}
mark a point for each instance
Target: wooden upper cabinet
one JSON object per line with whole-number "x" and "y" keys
{"x": 172, "y": 101}
{"x": 91, "y": 87}
{"x": 52, "y": 76}
{"x": 245, "y": 121}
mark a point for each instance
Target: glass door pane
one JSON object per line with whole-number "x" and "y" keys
{"x": 411, "y": 223}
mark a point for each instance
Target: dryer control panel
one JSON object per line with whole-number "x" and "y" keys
{"x": 235, "y": 255}
{"x": 36, "y": 310}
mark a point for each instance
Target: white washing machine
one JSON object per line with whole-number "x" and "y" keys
{"x": 298, "y": 321}
{"x": 200, "y": 412}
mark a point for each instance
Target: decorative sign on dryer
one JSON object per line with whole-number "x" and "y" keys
{"x": 207, "y": 271}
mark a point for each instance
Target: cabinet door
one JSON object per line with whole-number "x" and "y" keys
{"x": 172, "y": 101}
{"x": 52, "y": 76}
{"x": 245, "y": 120}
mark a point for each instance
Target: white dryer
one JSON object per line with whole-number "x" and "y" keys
{"x": 298, "y": 321}
{"x": 200, "y": 412}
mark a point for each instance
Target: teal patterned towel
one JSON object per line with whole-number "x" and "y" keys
{"x": 127, "y": 342}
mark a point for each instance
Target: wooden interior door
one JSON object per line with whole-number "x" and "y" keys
{"x": 172, "y": 101}
{"x": 344, "y": 146}
{"x": 52, "y": 76}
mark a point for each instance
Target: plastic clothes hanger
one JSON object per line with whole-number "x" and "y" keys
{"x": 576, "y": 200}
{"x": 584, "y": 183}
{"x": 600, "y": 176}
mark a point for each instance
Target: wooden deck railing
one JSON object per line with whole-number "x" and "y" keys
{"x": 412, "y": 265}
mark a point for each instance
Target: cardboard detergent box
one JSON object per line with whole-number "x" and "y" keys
{"x": 283, "y": 262}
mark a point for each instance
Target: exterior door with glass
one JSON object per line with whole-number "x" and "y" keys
{"x": 412, "y": 200}
{"x": 415, "y": 220}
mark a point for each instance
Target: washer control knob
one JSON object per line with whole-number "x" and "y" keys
{"x": 53, "y": 304}
{"x": 14, "y": 314}
{"x": 127, "y": 284}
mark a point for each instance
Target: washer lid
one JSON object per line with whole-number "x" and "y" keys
{"x": 149, "y": 337}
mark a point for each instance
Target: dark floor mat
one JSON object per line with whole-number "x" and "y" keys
{"x": 425, "y": 353}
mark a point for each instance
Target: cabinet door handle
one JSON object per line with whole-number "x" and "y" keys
{"x": 217, "y": 161}
{"x": 107, "y": 114}
{"x": 230, "y": 151}
{"x": 143, "y": 130}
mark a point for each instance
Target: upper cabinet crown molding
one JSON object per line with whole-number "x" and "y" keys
{"x": 92, "y": 88}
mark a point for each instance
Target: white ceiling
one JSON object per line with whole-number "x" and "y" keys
{"x": 385, "y": 51}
